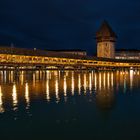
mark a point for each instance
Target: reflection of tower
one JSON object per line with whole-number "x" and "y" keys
{"x": 105, "y": 98}
{"x": 106, "y": 39}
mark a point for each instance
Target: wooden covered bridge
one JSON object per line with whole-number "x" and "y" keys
{"x": 11, "y": 58}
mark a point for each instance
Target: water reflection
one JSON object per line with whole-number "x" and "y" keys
{"x": 65, "y": 87}
{"x": 108, "y": 80}
{"x": 14, "y": 95}
{"x": 100, "y": 81}
{"x": 79, "y": 84}
{"x": 131, "y": 79}
{"x": 95, "y": 84}
{"x": 1, "y": 101}
{"x": 27, "y": 95}
{"x": 85, "y": 83}
{"x": 57, "y": 89}
{"x": 21, "y": 77}
{"x": 90, "y": 83}
{"x": 105, "y": 99}
{"x": 47, "y": 90}
{"x": 72, "y": 83}
{"x": 66, "y": 84}
{"x": 104, "y": 81}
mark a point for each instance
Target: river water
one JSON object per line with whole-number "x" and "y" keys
{"x": 70, "y": 105}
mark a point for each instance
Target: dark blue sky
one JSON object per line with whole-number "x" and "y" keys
{"x": 67, "y": 24}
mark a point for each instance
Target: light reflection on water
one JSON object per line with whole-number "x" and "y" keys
{"x": 27, "y": 95}
{"x": 72, "y": 83}
{"x": 56, "y": 89}
{"x": 1, "y": 101}
{"x": 35, "y": 85}
{"x": 79, "y": 84}
{"x": 47, "y": 90}
{"x": 14, "y": 95}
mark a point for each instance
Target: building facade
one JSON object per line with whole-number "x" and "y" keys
{"x": 127, "y": 54}
{"x": 106, "y": 39}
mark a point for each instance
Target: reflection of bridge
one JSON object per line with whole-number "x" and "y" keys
{"x": 67, "y": 62}
{"x": 57, "y": 85}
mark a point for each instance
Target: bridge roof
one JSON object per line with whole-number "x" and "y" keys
{"x": 68, "y": 50}
{"x": 35, "y": 52}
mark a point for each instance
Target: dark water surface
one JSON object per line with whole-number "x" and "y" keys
{"x": 70, "y": 105}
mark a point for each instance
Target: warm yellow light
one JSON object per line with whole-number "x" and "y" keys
{"x": 37, "y": 74}
{"x": 104, "y": 80}
{"x": 1, "y": 101}
{"x": 27, "y": 98}
{"x": 34, "y": 78}
{"x": 95, "y": 75}
{"x": 90, "y": 82}
{"x": 85, "y": 83}
{"x": 57, "y": 90}
{"x": 1, "y": 76}
{"x": 100, "y": 81}
{"x": 65, "y": 86}
{"x": 131, "y": 78}
{"x": 112, "y": 79}
{"x": 47, "y": 90}
{"x": 62, "y": 61}
{"x": 22, "y": 77}
{"x": 79, "y": 84}
{"x": 72, "y": 83}
{"x": 14, "y": 95}
{"x": 5, "y": 76}
{"x": 108, "y": 79}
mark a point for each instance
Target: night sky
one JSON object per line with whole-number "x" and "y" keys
{"x": 68, "y": 24}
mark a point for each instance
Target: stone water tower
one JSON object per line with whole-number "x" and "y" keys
{"x": 106, "y": 39}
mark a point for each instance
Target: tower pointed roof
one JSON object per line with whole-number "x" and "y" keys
{"x": 105, "y": 31}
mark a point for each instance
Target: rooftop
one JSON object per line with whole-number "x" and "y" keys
{"x": 69, "y": 50}
{"x": 105, "y": 31}
{"x": 38, "y": 52}
{"x": 127, "y": 50}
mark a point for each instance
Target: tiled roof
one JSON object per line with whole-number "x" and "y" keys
{"x": 105, "y": 31}
{"x": 127, "y": 50}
